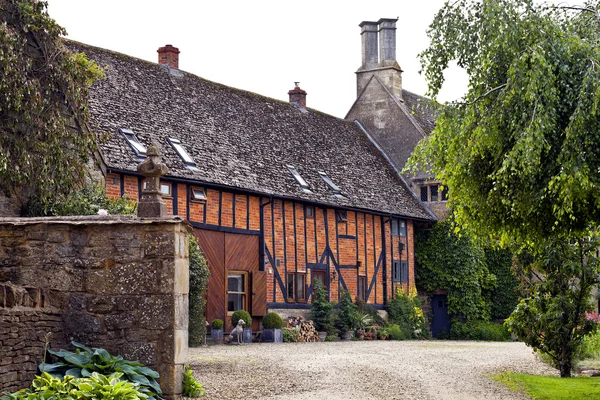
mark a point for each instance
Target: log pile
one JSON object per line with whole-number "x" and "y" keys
{"x": 307, "y": 330}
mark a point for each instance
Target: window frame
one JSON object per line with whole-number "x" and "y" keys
{"x": 361, "y": 285}
{"x": 403, "y": 271}
{"x": 334, "y": 188}
{"x": 160, "y": 186}
{"x": 341, "y": 216}
{"x": 437, "y": 193}
{"x": 193, "y": 195}
{"x": 396, "y": 271}
{"x": 188, "y": 161}
{"x": 244, "y": 294}
{"x": 299, "y": 179}
{"x": 297, "y": 290}
{"x": 309, "y": 211}
{"x": 138, "y": 148}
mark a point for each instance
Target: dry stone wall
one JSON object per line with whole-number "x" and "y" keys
{"x": 115, "y": 282}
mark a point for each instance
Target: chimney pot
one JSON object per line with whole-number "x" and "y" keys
{"x": 298, "y": 96}
{"x": 368, "y": 34}
{"x": 387, "y": 41}
{"x": 169, "y": 55}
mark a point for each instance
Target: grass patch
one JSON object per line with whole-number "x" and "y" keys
{"x": 550, "y": 387}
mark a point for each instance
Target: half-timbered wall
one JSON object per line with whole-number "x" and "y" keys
{"x": 346, "y": 249}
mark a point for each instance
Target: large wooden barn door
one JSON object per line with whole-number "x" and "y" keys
{"x": 235, "y": 254}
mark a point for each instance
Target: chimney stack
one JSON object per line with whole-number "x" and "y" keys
{"x": 368, "y": 35}
{"x": 169, "y": 55}
{"x": 387, "y": 41}
{"x": 298, "y": 96}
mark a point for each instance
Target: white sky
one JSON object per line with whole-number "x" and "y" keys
{"x": 262, "y": 46}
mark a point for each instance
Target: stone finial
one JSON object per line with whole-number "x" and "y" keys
{"x": 151, "y": 205}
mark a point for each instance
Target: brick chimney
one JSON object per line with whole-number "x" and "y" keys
{"x": 298, "y": 96}
{"x": 169, "y": 55}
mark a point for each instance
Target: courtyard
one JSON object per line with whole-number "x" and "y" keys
{"x": 362, "y": 370}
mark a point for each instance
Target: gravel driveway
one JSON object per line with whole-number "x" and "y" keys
{"x": 361, "y": 370}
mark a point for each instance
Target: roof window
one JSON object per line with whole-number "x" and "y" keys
{"x": 138, "y": 148}
{"x": 187, "y": 160}
{"x": 299, "y": 179}
{"x": 334, "y": 188}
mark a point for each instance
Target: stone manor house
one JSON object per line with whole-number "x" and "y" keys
{"x": 279, "y": 195}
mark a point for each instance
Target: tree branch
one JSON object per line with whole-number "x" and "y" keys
{"x": 484, "y": 95}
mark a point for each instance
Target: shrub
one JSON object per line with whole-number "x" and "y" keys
{"x": 272, "y": 321}
{"x": 85, "y": 361}
{"x": 291, "y": 334}
{"x": 321, "y": 311}
{"x": 94, "y": 386}
{"x": 199, "y": 274}
{"x": 331, "y": 338}
{"x": 405, "y": 311}
{"x": 191, "y": 387}
{"x": 217, "y": 324}
{"x": 365, "y": 308}
{"x": 479, "y": 330}
{"x": 395, "y": 332}
{"x": 241, "y": 314}
{"x": 347, "y": 313}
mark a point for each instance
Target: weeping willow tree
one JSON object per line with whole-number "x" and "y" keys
{"x": 45, "y": 141}
{"x": 520, "y": 151}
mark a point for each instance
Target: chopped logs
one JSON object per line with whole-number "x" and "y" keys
{"x": 308, "y": 333}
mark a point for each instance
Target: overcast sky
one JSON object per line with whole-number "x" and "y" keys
{"x": 262, "y": 46}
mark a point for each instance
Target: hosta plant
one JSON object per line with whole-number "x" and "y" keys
{"x": 85, "y": 361}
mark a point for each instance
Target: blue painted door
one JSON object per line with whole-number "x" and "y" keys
{"x": 440, "y": 319}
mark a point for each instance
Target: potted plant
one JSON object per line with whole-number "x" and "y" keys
{"x": 216, "y": 332}
{"x": 241, "y": 314}
{"x": 347, "y": 316}
{"x": 321, "y": 312}
{"x": 272, "y": 325}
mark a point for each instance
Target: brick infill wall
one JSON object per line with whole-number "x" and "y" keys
{"x": 120, "y": 283}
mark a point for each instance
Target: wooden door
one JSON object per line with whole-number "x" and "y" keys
{"x": 212, "y": 244}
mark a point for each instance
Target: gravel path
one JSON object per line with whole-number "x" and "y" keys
{"x": 361, "y": 370}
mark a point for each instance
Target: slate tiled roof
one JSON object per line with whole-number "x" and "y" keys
{"x": 421, "y": 109}
{"x": 238, "y": 138}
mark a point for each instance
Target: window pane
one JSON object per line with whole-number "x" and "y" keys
{"x": 290, "y": 286}
{"x": 361, "y": 287}
{"x": 301, "y": 286}
{"x": 165, "y": 189}
{"x": 423, "y": 193}
{"x": 396, "y": 271}
{"x": 434, "y": 193}
{"x": 395, "y": 227}
{"x": 404, "y": 271}
{"x": 402, "y": 228}
{"x": 235, "y": 302}
{"x": 235, "y": 283}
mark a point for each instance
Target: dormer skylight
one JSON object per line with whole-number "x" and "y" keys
{"x": 334, "y": 188}
{"x": 187, "y": 160}
{"x": 299, "y": 179}
{"x": 138, "y": 148}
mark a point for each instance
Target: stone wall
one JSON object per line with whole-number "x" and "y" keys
{"x": 115, "y": 282}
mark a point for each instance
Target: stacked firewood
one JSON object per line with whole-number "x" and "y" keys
{"x": 307, "y": 330}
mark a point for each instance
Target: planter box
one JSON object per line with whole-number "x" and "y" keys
{"x": 247, "y": 335}
{"x": 347, "y": 335}
{"x": 272, "y": 336}
{"x": 322, "y": 336}
{"x": 217, "y": 335}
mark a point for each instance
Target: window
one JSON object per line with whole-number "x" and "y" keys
{"x": 138, "y": 148}
{"x": 299, "y": 179}
{"x": 424, "y": 193}
{"x": 296, "y": 286}
{"x": 434, "y": 192}
{"x": 237, "y": 289}
{"x": 165, "y": 188}
{"x": 176, "y": 144}
{"x": 404, "y": 271}
{"x": 396, "y": 272}
{"x": 444, "y": 193}
{"x": 197, "y": 194}
{"x": 341, "y": 216}
{"x": 398, "y": 227}
{"x": 334, "y": 188}
{"x": 362, "y": 288}
{"x": 309, "y": 211}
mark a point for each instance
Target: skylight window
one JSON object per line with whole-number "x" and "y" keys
{"x": 299, "y": 179}
{"x": 334, "y": 188}
{"x": 187, "y": 160}
{"x": 138, "y": 148}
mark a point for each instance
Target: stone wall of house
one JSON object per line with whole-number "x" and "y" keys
{"x": 120, "y": 283}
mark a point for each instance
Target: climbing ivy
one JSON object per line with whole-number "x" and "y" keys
{"x": 45, "y": 141}
{"x": 199, "y": 274}
{"x": 505, "y": 296}
{"x": 456, "y": 263}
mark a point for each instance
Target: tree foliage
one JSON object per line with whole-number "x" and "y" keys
{"x": 457, "y": 264}
{"x": 520, "y": 153}
{"x": 45, "y": 141}
{"x": 199, "y": 274}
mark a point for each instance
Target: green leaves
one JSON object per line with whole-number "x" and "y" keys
{"x": 88, "y": 363}
{"x": 191, "y": 387}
